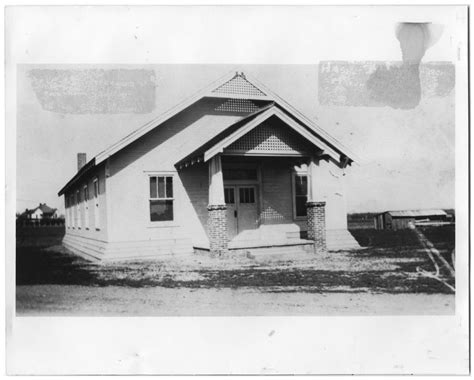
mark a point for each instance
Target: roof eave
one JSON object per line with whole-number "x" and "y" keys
{"x": 86, "y": 168}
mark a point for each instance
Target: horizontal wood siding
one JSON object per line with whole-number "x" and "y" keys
{"x": 93, "y": 232}
{"x": 156, "y": 153}
{"x": 195, "y": 180}
{"x": 276, "y": 212}
{"x": 333, "y": 189}
{"x": 277, "y": 203}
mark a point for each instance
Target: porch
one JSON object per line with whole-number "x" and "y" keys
{"x": 269, "y": 178}
{"x": 259, "y": 203}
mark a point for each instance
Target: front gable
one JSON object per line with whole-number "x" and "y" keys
{"x": 272, "y": 137}
{"x": 239, "y": 86}
{"x": 287, "y": 126}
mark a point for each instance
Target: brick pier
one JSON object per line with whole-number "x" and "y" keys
{"x": 317, "y": 224}
{"x": 217, "y": 227}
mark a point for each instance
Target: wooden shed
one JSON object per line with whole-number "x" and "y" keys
{"x": 398, "y": 220}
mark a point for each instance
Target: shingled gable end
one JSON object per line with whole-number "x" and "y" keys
{"x": 233, "y": 167}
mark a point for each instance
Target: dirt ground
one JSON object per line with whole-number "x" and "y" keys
{"x": 76, "y": 300}
{"x": 370, "y": 281}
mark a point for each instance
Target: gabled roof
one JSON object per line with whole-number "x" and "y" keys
{"x": 46, "y": 209}
{"x": 232, "y": 85}
{"x": 416, "y": 213}
{"x": 43, "y": 207}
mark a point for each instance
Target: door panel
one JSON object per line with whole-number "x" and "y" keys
{"x": 242, "y": 209}
{"x": 247, "y": 208}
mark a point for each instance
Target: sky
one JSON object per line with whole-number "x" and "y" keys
{"x": 397, "y": 114}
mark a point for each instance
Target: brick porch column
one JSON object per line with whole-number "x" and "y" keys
{"x": 316, "y": 212}
{"x": 316, "y": 208}
{"x": 217, "y": 221}
{"x": 217, "y": 229}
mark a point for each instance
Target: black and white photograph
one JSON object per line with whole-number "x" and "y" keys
{"x": 188, "y": 164}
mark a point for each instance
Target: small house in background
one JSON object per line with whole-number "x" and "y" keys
{"x": 398, "y": 220}
{"x": 43, "y": 211}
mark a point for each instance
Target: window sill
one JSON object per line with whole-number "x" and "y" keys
{"x": 162, "y": 224}
{"x": 300, "y": 218}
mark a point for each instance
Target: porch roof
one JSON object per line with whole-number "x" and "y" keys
{"x": 234, "y": 132}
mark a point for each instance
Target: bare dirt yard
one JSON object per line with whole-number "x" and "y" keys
{"x": 383, "y": 279}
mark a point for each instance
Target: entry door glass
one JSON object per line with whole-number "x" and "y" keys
{"x": 230, "y": 201}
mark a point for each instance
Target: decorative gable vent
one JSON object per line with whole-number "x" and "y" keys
{"x": 238, "y": 105}
{"x": 238, "y": 85}
{"x": 270, "y": 138}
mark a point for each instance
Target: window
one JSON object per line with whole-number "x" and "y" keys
{"x": 86, "y": 206}
{"x": 67, "y": 205}
{"x": 300, "y": 193}
{"x": 246, "y": 195}
{"x": 96, "y": 204}
{"x": 161, "y": 198}
{"x": 78, "y": 209}
{"x": 72, "y": 219}
{"x": 229, "y": 195}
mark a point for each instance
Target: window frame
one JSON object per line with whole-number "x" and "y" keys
{"x": 295, "y": 174}
{"x": 161, "y": 223}
{"x": 253, "y": 192}
{"x": 66, "y": 210}
{"x": 72, "y": 210}
{"x": 85, "y": 194}
{"x": 96, "y": 202}
{"x": 78, "y": 209}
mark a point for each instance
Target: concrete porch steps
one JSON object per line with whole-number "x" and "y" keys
{"x": 291, "y": 250}
{"x": 298, "y": 246}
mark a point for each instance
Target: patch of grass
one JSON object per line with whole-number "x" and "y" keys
{"x": 442, "y": 237}
{"x": 384, "y": 238}
{"x": 44, "y": 236}
{"x": 56, "y": 266}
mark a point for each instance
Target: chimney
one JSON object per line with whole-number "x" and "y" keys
{"x": 81, "y": 160}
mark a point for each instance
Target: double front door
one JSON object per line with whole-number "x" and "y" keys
{"x": 242, "y": 209}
